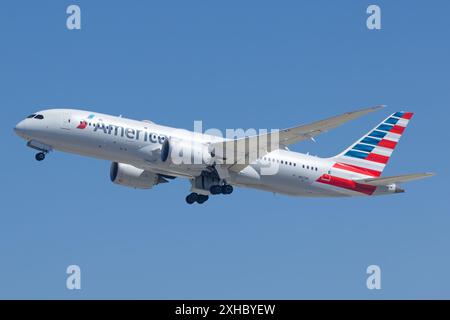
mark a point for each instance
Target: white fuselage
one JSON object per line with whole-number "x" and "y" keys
{"x": 138, "y": 143}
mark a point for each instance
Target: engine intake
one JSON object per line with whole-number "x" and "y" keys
{"x": 130, "y": 176}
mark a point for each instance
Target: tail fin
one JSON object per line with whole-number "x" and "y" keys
{"x": 370, "y": 154}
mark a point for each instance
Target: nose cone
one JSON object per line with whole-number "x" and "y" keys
{"x": 20, "y": 128}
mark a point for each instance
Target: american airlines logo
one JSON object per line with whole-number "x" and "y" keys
{"x": 84, "y": 123}
{"x": 125, "y": 132}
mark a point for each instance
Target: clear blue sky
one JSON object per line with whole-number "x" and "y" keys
{"x": 233, "y": 64}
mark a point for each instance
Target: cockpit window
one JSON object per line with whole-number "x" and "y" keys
{"x": 36, "y": 116}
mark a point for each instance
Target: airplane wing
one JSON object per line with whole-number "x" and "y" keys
{"x": 248, "y": 149}
{"x": 384, "y": 181}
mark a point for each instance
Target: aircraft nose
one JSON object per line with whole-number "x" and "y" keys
{"x": 20, "y": 128}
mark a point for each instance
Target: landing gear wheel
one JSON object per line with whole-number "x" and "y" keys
{"x": 191, "y": 198}
{"x": 40, "y": 156}
{"x": 227, "y": 189}
{"x": 202, "y": 198}
{"x": 216, "y": 189}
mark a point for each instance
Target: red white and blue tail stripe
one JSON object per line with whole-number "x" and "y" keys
{"x": 369, "y": 155}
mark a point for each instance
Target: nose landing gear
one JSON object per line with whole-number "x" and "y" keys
{"x": 40, "y": 156}
{"x": 42, "y": 149}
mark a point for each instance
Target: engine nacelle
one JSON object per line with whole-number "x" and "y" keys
{"x": 130, "y": 176}
{"x": 184, "y": 152}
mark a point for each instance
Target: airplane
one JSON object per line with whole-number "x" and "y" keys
{"x": 144, "y": 154}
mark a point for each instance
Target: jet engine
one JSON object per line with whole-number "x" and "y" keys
{"x": 130, "y": 176}
{"x": 185, "y": 152}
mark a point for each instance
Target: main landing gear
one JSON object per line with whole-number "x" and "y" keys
{"x": 224, "y": 189}
{"x": 215, "y": 189}
{"x": 195, "y": 197}
{"x": 40, "y": 156}
{"x": 207, "y": 183}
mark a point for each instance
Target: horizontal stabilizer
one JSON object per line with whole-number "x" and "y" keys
{"x": 384, "y": 181}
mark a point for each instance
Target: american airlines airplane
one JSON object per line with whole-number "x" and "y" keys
{"x": 145, "y": 154}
